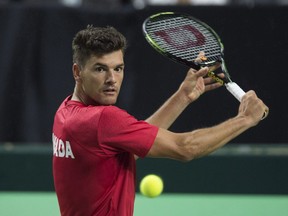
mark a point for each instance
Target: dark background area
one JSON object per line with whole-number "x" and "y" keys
{"x": 35, "y": 66}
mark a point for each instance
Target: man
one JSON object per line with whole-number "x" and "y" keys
{"x": 95, "y": 143}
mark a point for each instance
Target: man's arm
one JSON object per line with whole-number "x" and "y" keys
{"x": 198, "y": 143}
{"x": 190, "y": 90}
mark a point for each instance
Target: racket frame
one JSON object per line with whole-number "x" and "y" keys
{"x": 231, "y": 86}
{"x": 193, "y": 64}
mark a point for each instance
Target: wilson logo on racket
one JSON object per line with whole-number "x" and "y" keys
{"x": 190, "y": 37}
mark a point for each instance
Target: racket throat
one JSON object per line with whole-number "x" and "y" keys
{"x": 213, "y": 73}
{"x": 215, "y": 77}
{"x": 225, "y": 71}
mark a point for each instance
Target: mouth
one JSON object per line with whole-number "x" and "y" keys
{"x": 110, "y": 91}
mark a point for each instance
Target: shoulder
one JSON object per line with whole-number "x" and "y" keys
{"x": 116, "y": 114}
{"x": 111, "y": 109}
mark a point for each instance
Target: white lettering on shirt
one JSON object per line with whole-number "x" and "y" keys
{"x": 61, "y": 148}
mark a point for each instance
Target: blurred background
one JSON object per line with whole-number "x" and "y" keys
{"x": 36, "y": 75}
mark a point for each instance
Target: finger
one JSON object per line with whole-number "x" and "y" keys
{"x": 265, "y": 114}
{"x": 209, "y": 80}
{"x": 202, "y": 72}
{"x": 221, "y": 75}
{"x": 200, "y": 57}
{"x": 252, "y": 93}
{"x": 215, "y": 67}
{"x": 212, "y": 86}
{"x": 192, "y": 70}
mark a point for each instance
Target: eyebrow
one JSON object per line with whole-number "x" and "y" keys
{"x": 106, "y": 66}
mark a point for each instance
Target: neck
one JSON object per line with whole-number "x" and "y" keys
{"x": 81, "y": 97}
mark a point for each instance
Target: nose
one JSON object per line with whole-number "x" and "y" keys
{"x": 110, "y": 78}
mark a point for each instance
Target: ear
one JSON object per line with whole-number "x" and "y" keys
{"x": 76, "y": 72}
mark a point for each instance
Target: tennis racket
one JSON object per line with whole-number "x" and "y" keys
{"x": 191, "y": 42}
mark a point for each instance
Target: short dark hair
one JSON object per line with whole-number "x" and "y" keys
{"x": 96, "y": 41}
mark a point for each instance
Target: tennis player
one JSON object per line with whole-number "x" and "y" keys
{"x": 96, "y": 143}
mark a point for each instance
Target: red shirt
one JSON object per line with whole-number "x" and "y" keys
{"x": 93, "y": 158}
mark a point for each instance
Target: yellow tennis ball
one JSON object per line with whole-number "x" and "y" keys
{"x": 151, "y": 186}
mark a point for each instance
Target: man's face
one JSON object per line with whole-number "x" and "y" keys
{"x": 101, "y": 78}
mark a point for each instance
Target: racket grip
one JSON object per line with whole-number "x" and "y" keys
{"x": 235, "y": 90}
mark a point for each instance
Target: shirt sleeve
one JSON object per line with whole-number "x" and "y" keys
{"x": 119, "y": 132}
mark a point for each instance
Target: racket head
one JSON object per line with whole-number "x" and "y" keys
{"x": 182, "y": 38}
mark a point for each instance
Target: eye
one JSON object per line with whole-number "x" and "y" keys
{"x": 119, "y": 69}
{"x": 99, "y": 69}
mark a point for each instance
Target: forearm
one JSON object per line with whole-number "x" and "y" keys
{"x": 169, "y": 111}
{"x": 199, "y": 143}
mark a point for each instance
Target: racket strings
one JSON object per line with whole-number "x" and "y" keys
{"x": 184, "y": 38}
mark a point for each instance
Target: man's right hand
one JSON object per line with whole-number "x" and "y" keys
{"x": 252, "y": 108}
